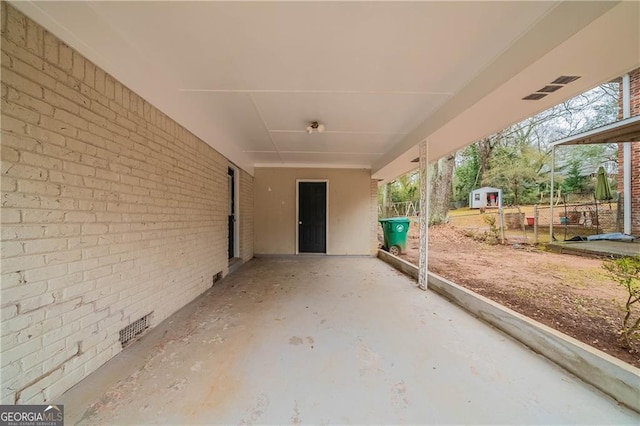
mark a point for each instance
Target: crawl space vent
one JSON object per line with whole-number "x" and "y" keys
{"x": 135, "y": 329}
{"x": 217, "y": 277}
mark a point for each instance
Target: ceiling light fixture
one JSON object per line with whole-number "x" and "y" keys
{"x": 315, "y": 127}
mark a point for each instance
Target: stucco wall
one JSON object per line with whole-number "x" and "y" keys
{"x": 350, "y": 210}
{"x": 110, "y": 211}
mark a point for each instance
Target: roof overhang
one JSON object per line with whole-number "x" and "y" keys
{"x": 627, "y": 130}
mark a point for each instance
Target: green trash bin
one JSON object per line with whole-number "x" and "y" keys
{"x": 395, "y": 234}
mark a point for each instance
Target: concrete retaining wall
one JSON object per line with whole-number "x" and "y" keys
{"x": 400, "y": 264}
{"x": 610, "y": 375}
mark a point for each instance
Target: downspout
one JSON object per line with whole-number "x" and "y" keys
{"x": 626, "y": 157}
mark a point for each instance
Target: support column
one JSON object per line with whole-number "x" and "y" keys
{"x": 424, "y": 216}
{"x": 551, "y": 192}
{"x": 626, "y": 155}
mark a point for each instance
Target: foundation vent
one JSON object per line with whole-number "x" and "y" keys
{"x": 217, "y": 277}
{"x": 135, "y": 329}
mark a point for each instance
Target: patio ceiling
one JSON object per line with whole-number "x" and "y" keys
{"x": 248, "y": 77}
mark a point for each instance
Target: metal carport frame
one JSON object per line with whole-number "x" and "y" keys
{"x": 627, "y": 130}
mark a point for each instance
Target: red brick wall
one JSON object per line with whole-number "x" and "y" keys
{"x": 634, "y": 80}
{"x": 635, "y": 188}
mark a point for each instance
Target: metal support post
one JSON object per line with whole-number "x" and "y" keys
{"x": 423, "y": 262}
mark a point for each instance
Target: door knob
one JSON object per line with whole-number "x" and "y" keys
{"x": 299, "y": 222}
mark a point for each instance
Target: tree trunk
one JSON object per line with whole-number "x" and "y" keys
{"x": 440, "y": 189}
{"x": 485, "y": 149}
{"x": 385, "y": 200}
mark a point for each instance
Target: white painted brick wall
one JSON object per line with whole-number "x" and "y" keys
{"x": 110, "y": 210}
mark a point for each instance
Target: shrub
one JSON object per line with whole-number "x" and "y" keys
{"x": 493, "y": 235}
{"x": 626, "y": 272}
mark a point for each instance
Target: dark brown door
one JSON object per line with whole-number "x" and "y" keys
{"x": 232, "y": 210}
{"x": 312, "y": 217}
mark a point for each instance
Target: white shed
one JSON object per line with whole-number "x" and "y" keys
{"x": 485, "y": 197}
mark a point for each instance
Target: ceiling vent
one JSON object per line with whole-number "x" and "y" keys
{"x": 565, "y": 79}
{"x": 556, "y": 84}
{"x": 549, "y": 89}
{"x": 534, "y": 96}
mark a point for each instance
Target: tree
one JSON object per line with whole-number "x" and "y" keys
{"x": 440, "y": 189}
{"x": 474, "y": 162}
{"x": 495, "y": 161}
{"x": 517, "y": 170}
{"x": 485, "y": 148}
{"x": 584, "y": 112}
{"x": 405, "y": 188}
{"x": 574, "y": 181}
{"x": 577, "y": 163}
{"x": 517, "y": 159}
{"x": 402, "y": 189}
{"x": 467, "y": 168}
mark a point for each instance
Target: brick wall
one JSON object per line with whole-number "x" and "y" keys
{"x": 110, "y": 211}
{"x": 635, "y": 189}
{"x": 634, "y": 80}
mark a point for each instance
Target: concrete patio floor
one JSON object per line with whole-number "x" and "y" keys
{"x": 331, "y": 340}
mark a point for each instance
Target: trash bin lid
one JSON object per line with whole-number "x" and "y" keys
{"x": 398, "y": 224}
{"x": 398, "y": 219}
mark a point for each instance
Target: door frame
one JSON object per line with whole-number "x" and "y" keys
{"x": 236, "y": 212}
{"x": 326, "y": 226}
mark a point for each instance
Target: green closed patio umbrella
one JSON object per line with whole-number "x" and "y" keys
{"x": 603, "y": 191}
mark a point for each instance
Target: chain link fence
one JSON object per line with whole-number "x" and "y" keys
{"x": 581, "y": 219}
{"x": 574, "y": 215}
{"x": 404, "y": 208}
{"x": 530, "y": 224}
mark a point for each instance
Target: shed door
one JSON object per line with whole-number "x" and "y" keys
{"x": 312, "y": 217}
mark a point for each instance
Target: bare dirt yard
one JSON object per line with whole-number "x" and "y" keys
{"x": 569, "y": 293}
